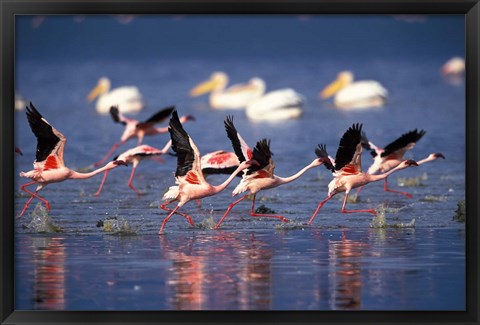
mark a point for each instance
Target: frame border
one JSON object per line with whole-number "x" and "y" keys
{"x": 10, "y": 8}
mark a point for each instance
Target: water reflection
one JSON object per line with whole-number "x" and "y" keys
{"x": 345, "y": 260}
{"x": 49, "y": 273}
{"x": 218, "y": 272}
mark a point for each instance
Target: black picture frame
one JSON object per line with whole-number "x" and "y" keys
{"x": 10, "y": 8}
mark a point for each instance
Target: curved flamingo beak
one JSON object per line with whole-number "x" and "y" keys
{"x": 411, "y": 162}
{"x": 120, "y": 162}
{"x": 439, "y": 155}
{"x": 17, "y": 150}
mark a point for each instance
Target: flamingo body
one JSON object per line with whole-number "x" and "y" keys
{"x": 219, "y": 162}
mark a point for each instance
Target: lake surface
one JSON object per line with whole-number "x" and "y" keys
{"x": 415, "y": 260}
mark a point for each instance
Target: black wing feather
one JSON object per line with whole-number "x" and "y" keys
{"x": 403, "y": 141}
{"x": 261, "y": 154}
{"x": 348, "y": 145}
{"x": 232, "y": 134}
{"x": 181, "y": 146}
{"x": 115, "y": 113}
{"x": 158, "y": 117}
{"x": 366, "y": 145}
{"x": 321, "y": 152}
{"x": 46, "y": 139}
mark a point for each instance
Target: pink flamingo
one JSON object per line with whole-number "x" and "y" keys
{"x": 137, "y": 129}
{"x": 191, "y": 183}
{"x": 18, "y": 151}
{"x": 259, "y": 177}
{"x": 219, "y": 162}
{"x": 347, "y": 168}
{"x": 392, "y": 155}
{"x": 134, "y": 156}
{"x": 49, "y": 166}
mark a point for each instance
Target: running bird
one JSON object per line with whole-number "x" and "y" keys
{"x": 137, "y": 129}
{"x": 392, "y": 155}
{"x": 191, "y": 183}
{"x": 49, "y": 166}
{"x": 257, "y": 177}
{"x": 134, "y": 156}
{"x": 347, "y": 168}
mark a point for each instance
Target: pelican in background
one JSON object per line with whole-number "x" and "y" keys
{"x": 355, "y": 95}
{"x": 128, "y": 99}
{"x": 277, "y": 105}
{"x": 19, "y": 102}
{"x": 234, "y": 97}
{"x": 453, "y": 67}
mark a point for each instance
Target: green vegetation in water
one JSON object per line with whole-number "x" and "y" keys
{"x": 264, "y": 210}
{"x": 412, "y": 181}
{"x": 41, "y": 221}
{"x": 460, "y": 211}
{"x": 116, "y": 225}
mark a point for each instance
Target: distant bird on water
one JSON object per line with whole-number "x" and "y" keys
{"x": 353, "y": 95}
{"x": 347, "y": 168}
{"x": 384, "y": 159}
{"x": 191, "y": 183}
{"x": 49, "y": 166}
{"x": 137, "y": 129}
{"x": 454, "y": 67}
{"x": 257, "y": 177}
{"x": 128, "y": 99}
{"x": 134, "y": 156}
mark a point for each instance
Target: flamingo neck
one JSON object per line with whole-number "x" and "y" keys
{"x": 284, "y": 180}
{"x": 425, "y": 160}
{"x": 379, "y": 177}
{"x": 77, "y": 175}
{"x": 221, "y": 187}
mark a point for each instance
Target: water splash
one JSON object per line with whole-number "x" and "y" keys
{"x": 290, "y": 225}
{"x": 41, "y": 221}
{"x": 207, "y": 223}
{"x": 460, "y": 211}
{"x": 380, "y": 221}
{"x": 117, "y": 225}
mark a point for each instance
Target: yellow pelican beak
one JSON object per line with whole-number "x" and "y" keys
{"x": 95, "y": 92}
{"x": 203, "y": 88}
{"x": 332, "y": 88}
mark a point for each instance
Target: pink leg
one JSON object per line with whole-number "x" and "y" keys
{"x": 131, "y": 179}
{"x": 166, "y": 220}
{"x": 199, "y": 203}
{"x": 24, "y": 188}
{"x": 320, "y": 205}
{"x": 228, "y": 211}
{"x": 385, "y": 187}
{"x": 101, "y": 162}
{"x": 359, "y": 189}
{"x": 164, "y": 207}
{"x": 354, "y": 211}
{"x": 101, "y": 184}
{"x": 253, "y": 214}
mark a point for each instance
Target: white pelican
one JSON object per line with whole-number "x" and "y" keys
{"x": 453, "y": 67}
{"x": 234, "y": 97}
{"x": 19, "y": 102}
{"x": 127, "y": 99}
{"x": 277, "y": 105}
{"x": 355, "y": 95}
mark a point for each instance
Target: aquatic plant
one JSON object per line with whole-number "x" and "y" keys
{"x": 41, "y": 221}
{"x": 433, "y": 198}
{"x": 117, "y": 225}
{"x": 264, "y": 210}
{"x": 460, "y": 211}
{"x": 412, "y": 181}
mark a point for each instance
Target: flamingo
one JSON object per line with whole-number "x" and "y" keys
{"x": 127, "y": 98}
{"x": 258, "y": 177}
{"x": 391, "y": 156}
{"x": 191, "y": 183}
{"x": 453, "y": 67}
{"x": 219, "y": 162}
{"x": 347, "y": 168}
{"x": 355, "y": 95}
{"x": 137, "y": 129}
{"x": 49, "y": 166}
{"x": 135, "y": 156}
{"x": 234, "y": 97}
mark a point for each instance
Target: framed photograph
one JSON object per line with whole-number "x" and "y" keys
{"x": 353, "y": 128}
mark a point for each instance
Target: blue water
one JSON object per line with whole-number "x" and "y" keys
{"x": 339, "y": 262}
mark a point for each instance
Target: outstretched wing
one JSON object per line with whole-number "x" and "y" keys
{"x": 188, "y": 156}
{"x": 117, "y": 116}
{"x": 158, "y": 117}
{"x": 368, "y": 145}
{"x": 404, "y": 143}
{"x": 328, "y": 162}
{"x": 240, "y": 147}
{"x": 349, "y": 150}
{"x": 263, "y": 155}
{"x": 50, "y": 142}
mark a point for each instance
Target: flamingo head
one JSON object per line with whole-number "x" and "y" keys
{"x": 408, "y": 163}
{"x": 119, "y": 162}
{"x": 437, "y": 155}
{"x": 186, "y": 118}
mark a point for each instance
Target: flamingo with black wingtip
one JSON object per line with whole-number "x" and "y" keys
{"x": 391, "y": 156}
{"x": 134, "y": 156}
{"x": 257, "y": 177}
{"x": 191, "y": 183}
{"x": 219, "y": 162}
{"x": 347, "y": 168}
{"x": 137, "y": 129}
{"x": 49, "y": 166}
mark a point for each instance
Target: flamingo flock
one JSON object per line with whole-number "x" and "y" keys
{"x": 255, "y": 167}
